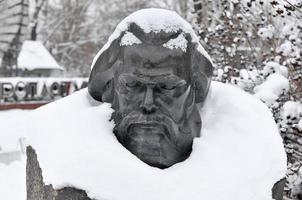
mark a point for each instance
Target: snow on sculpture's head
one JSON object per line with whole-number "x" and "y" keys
{"x": 153, "y": 71}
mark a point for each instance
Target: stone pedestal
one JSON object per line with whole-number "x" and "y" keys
{"x": 37, "y": 190}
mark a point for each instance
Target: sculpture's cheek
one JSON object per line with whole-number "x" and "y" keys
{"x": 174, "y": 107}
{"x": 129, "y": 102}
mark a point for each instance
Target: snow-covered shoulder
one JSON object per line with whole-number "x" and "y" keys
{"x": 238, "y": 156}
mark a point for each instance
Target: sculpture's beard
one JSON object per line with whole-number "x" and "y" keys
{"x": 155, "y": 139}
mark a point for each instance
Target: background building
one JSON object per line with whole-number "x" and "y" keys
{"x": 34, "y": 60}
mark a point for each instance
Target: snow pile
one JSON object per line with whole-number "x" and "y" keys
{"x": 178, "y": 43}
{"x": 129, "y": 39}
{"x": 154, "y": 20}
{"x": 274, "y": 67}
{"x": 11, "y": 149}
{"x": 247, "y": 79}
{"x": 291, "y": 112}
{"x": 12, "y": 158}
{"x": 246, "y": 74}
{"x": 239, "y": 156}
{"x": 295, "y": 177}
{"x": 289, "y": 29}
{"x": 218, "y": 73}
{"x": 12, "y": 136}
{"x": 267, "y": 84}
{"x": 299, "y": 125}
{"x": 285, "y": 48}
{"x": 295, "y": 40}
{"x": 34, "y": 55}
{"x": 266, "y": 33}
{"x": 13, "y": 181}
{"x": 270, "y": 90}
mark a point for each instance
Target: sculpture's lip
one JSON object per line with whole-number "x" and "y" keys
{"x": 147, "y": 124}
{"x": 152, "y": 128}
{"x": 147, "y": 129}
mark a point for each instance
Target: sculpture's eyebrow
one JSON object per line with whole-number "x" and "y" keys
{"x": 170, "y": 78}
{"x": 152, "y": 72}
{"x": 159, "y": 58}
{"x": 158, "y": 63}
{"x": 162, "y": 78}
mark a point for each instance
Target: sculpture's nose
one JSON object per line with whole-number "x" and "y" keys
{"x": 148, "y": 106}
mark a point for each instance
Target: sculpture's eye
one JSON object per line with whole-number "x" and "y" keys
{"x": 133, "y": 84}
{"x": 168, "y": 86}
{"x": 172, "y": 85}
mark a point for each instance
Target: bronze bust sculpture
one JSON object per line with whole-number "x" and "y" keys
{"x": 153, "y": 90}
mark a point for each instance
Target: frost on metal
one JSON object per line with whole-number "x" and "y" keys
{"x": 129, "y": 39}
{"x": 177, "y": 43}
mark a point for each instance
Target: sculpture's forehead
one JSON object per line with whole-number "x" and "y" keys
{"x": 156, "y": 55}
{"x": 155, "y": 60}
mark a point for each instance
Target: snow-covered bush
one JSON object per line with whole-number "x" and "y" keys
{"x": 256, "y": 46}
{"x": 290, "y": 122}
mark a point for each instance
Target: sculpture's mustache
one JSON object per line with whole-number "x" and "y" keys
{"x": 137, "y": 118}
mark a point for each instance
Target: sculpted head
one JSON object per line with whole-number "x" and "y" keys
{"x": 153, "y": 79}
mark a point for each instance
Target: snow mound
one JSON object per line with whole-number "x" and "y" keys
{"x": 285, "y": 48}
{"x": 291, "y": 110}
{"x": 239, "y": 156}
{"x": 266, "y": 33}
{"x": 266, "y": 96}
{"x": 13, "y": 181}
{"x": 274, "y": 67}
{"x": 289, "y": 29}
{"x": 154, "y": 20}
{"x": 270, "y": 90}
{"x": 13, "y": 130}
{"x": 299, "y": 125}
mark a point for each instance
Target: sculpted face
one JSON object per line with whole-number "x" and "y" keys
{"x": 155, "y": 113}
{"x": 153, "y": 81}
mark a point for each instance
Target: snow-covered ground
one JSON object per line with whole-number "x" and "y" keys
{"x": 85, "y": 151}
{"x": 12, "y": 157}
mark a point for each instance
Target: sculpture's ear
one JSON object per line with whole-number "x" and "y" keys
{"x": 202, "y": 71}
{"x": 100, "y": 85}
